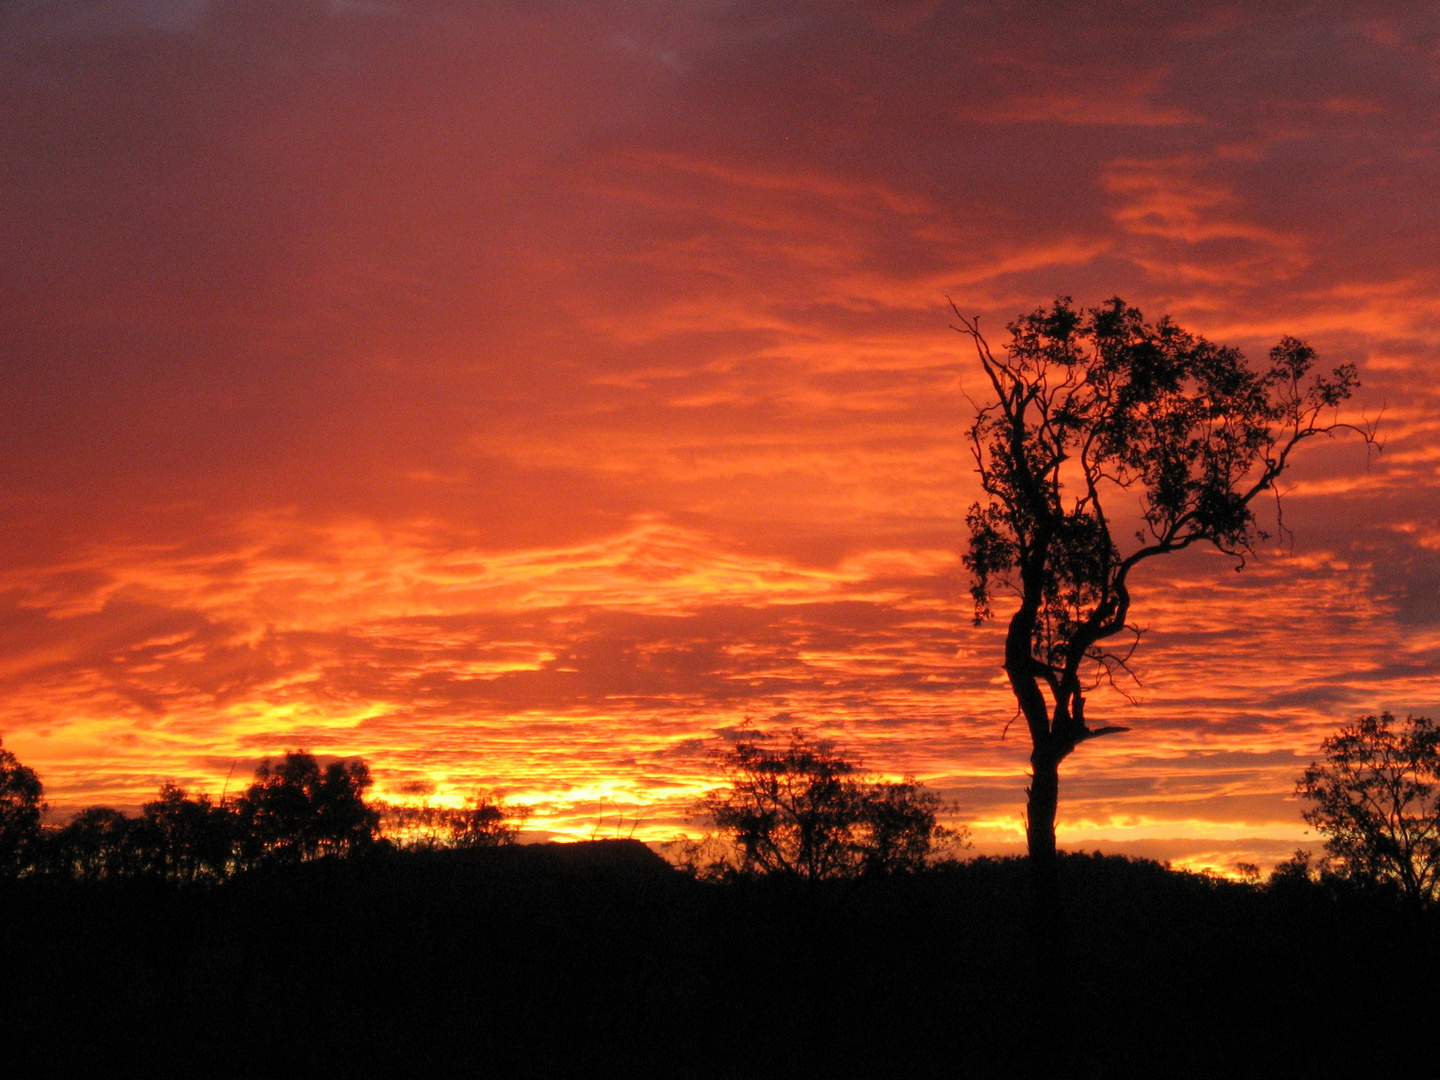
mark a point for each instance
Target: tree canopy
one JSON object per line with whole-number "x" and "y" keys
{"x": 802, "y": 809}
{"x": 296, "y": 810}
{"x": 486, "y": 820}
{"x": 1376, "y": 801}
{"x": 22, "y": 802}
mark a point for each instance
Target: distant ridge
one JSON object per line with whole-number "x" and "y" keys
{"x": 629, "y": 857}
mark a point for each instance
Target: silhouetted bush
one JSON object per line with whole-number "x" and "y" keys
{"x": 187, "y": 839}
{"x": 486, "y": 820}
{"x": 804, "y": 810}
{"x": 295, "y": 810}
{"x": 97, "y": 844}
{"x": 22, "y": 801}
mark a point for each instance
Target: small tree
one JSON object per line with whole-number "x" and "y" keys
{"x": 187, "y": 839}
{"x": 804, "y": 810}
{"x": 898, "y": 828}
{"x": 486, "y": 820}
{"x": 1376, "y": 801}
{"x": 295, "y": 810}
{"x": 1112, "y": 441}
{"x": 412, "y": 824}
{"x": 97, "y": 844}
{"x": 22, "y": 802}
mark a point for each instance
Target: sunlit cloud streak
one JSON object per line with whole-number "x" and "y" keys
{"x": 526, "y": 394}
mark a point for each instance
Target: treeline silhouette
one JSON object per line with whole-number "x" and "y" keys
{"x": 282, "y": 933}
{"x": 598, "y": 958}
{"x": 796, "y": 808}
{"x": 294, "y": 810}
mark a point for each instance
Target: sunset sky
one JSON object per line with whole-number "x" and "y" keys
{"x": 522, "y": 394}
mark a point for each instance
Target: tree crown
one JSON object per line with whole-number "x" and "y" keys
{"x": 1376, "y": 802}
{"x": 802, "y": 809}
{"x": 1095, "y": 406}
{"x": 22, "y": 802}
{"x": 296, "y": 810}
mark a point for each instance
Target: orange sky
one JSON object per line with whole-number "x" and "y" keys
{"x": 524, "y": 393}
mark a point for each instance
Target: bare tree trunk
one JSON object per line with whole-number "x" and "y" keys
{"x": 1047, "y": 914}
{"x": 1050, "y": 997}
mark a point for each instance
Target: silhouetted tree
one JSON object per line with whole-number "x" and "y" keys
{"x": 295, "y": 810}
{"x": 97, "y": 844}
{"x": 1095, "y": 412}
{"x": 486, "y": 820}
{"x": 22, "y": 802}
{"x": 175, "y": 837}
{"x": 898, "y": 830}
{"x": 1376, "y": 802}
{"x": 1293, "y": 874}
{"x": 413, "y": 824}
{"x": 804, "y": 810}
{"x": 186, "y": 839}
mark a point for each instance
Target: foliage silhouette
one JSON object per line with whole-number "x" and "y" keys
{"x": 803, "y": 810}
{"x": 1095, "y": 410}
{"x": 175, "y": 838}
{"x": 188, "y": 839}
{"x": 1376, "y": 802}
{"x": 22, "y": 802}
{"x": 367, "y": 964}
{"x": 295, "y": 810}
{"x": 486, "y": 820}
{"x": 97, "y": 844}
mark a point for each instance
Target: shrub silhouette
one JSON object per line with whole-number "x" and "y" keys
{"x": 22, "y": 801}
{"x": 186, "y": 839}
{"x": 295, "y": 810}
{"x": 804, "y": 810}
{"x": 485, "y": 820}
{"x": 97, "y": 844}
{"x": 175, "y": 838}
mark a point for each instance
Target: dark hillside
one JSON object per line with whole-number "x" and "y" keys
{"x": 581, "y": 959}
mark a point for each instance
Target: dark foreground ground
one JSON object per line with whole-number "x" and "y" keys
{"x": 598, "y": 959}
